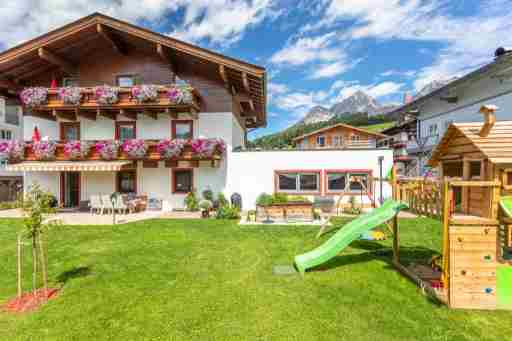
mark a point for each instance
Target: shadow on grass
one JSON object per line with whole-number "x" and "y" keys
{"x": 78, "y": 272}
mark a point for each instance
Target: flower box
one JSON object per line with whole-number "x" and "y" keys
{"x": 134, "y": 149}
{"x": 145, "y": 93}
{"x": 169, "y": 149}
{"x": 180, "y": 95}
{"x": 206, "y": 148}
{"x": 106, "y": 95}
{"x": 70, "y": 95}
{"x": 32, "y": 97}
{"x": 76, "y": 150}
{"x": 12, "y": 150}
{"x": 107, "y": 150}
{"x": 285, "y": 211}
{"x": 44, "y": 150}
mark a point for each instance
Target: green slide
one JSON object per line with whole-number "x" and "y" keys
{"x": 506, "y": 205}
{"x": 348, "y": 234}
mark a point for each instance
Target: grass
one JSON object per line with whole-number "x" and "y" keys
{"x": 211, "y": 280}
{"x": 377, "y": 128}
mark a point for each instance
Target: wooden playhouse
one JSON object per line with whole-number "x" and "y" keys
{"x": 475, "y": 167}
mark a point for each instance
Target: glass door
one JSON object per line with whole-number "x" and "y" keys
{"x": 70, "y": 182}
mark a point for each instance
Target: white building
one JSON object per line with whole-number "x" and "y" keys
{"x": 11, "y": 121}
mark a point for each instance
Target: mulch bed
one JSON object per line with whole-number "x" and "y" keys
{"x": 30, "y": 301}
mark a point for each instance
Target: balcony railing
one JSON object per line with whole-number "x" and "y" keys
{"x": 363, "y": 144}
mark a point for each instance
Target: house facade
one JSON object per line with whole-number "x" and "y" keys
{"x": 338, "y": 136}
{"x": 459, "y": 101}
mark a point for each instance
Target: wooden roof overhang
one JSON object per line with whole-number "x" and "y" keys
{"x": 463, "y": 140}
{"x": 63, "y": 48}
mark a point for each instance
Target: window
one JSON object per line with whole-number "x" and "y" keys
{"x": 355, "y": 138}
{"x": 182, "y": 180}
{"x": 320, "y": 141}
{"x": 336, "y": 182}
{"x": 5, "y": 134}
{"x": 70, "y": 81}
{"x": 340, "y": 181}
{"x": 338, "y": 141}
{"x": 125, "y": 80}
{"x": 182, "y": 129}
{"x": 126, "y": 130}
{"x": 69, "y": 131}
{"x": 447, "y": 124}
{"x": 298, "y": 182}
{"x": 358, "y": 182}
{"x": 432, "y": 130}
{"x": 475, "y": 167}
{"x": 127, "y": 181}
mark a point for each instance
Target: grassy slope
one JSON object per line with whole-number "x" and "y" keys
{"x": 197, "y": 280}
{"x": 378, "y": 127}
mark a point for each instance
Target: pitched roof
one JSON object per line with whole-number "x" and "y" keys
{"x": 21, "y": 61}
{"x": 497, "y": 146}
{"x": 336, "y": 126}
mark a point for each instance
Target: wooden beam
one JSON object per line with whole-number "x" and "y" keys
{"x": 166, "y": 58}
{"x": 224, "y": 76}
{"x": 107, "y": 114}
{"x": 107, "y": 35}
{"x": 245, "y": 81}
{"x": 64, "y": 115}
{"x": 129, "y": 114}
{"x": 56, "y": 60}
{"x": 150, "y": 114}
{"x": 32, "y": 73}
{"x": 90, "y": 115}
{"x": 9, "y": 84}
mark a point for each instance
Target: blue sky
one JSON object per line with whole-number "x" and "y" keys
{"x": 315, "y": 52}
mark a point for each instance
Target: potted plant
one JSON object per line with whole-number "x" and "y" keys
{"x": 12, "y": 150}
{"x": 145, "y": 93}
{"x": 180, "y": 95}
{"x": 32, "y": 97}
{"x": 76, "y": 150}
{"x": 106, "y": 95}
{"x": 206, "y": 148}
{"x": 135, "y": 149}
{"x": 169, "y": 149}
{"x": 70, "y": 95}
{"x": 191, "y": 201}
{"x": 44, "y": 150}
{"x": 108, "y": 150}
{"x": 205, "y": 206}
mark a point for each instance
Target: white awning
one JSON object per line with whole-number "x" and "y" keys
{"x": 67, "y": 166}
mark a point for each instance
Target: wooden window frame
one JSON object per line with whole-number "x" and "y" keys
{"x": 64, "y": 125}
{"x": 318, "y": 172}
{"x": 176, "y": 170}
{"x": 348, "y": 172}
{"x": 121, "y": 123}
{"x": 128, "y": 75}
{"x": 318, "y": 144}
{"x": 175, "y": 122}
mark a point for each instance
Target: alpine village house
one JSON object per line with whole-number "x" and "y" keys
{"x": 120, "y": 108}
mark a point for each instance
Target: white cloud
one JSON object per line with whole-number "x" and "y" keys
{"x": 398, "y": 73}
{"x": 277, "y": 88}
{"x": 375, "y": 90}
{"x": 334, "y": 69}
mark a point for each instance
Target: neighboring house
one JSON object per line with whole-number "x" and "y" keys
{"x": 338, "y": 136}
{"x": 10, "y": 129}
{"x": 460, "y": 101}
{"x": 401, "y": 137}
{"x": 223, "y": 98}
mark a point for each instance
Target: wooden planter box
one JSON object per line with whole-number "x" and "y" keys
{"x": 285, "y": 211}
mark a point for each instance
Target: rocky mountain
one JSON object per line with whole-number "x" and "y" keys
{"x": 432, "y": 86}
{"x": 359, "y": 102}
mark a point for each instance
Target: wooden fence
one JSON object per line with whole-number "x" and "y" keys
{"x": 423, "y": 195}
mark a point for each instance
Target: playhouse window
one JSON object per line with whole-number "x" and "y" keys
{"x": 298, "y": 182}
{"x": 475, "y": 167}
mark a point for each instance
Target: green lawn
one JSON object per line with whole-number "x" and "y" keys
{"x": 378, "y": 127}
{"x": 211, "y": 280}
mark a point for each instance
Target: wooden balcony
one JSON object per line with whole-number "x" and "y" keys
{"x": 127, "y": 106}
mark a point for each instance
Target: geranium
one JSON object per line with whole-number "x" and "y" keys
{"x": 145, "y": 93}
{"x": 169, "y": 149}
{"x": 44, "y": 150}
{"x": 135, "y": 149}
{"x": 76, "y": 149}
{"x": 180, "y": 95}
{"x": 106, "y": 95}
{"x": 205, "y": 148}
{"x": 12, "y": 149}
{"x": 70, "y": 95}
{"x": 32, "y": 97}
{"x": 108, "y": 150}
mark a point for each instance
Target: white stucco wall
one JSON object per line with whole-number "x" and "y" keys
{"x": 45, "y": 127}
{"x": 49, "y": 181}
{"x": 102, "y": 128}
{"x": 96, "y": 183}
{"x": 252, "y": 173}
{"x": 151, "y": 129}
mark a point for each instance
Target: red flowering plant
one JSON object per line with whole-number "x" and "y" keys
{"x": 32, "y": 97}
{"x": 206, "y": 148}
{"x": 70, "y": 95}
{"x": 106, "y": 95}
{"x": 145, "y": 93}
{"x": 76, "y": 149}
{"x": 44, "y": 150}
{"x": 180, "y": 95}
{"x": 12, "y": 149}
{"x": 169, "y": 149}
{"x": 135, "y": 149}
{"x": 108, "y": 150}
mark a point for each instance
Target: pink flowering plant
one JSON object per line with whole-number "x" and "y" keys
{"x": 169, "y": 149}
{"x": 70, "y": 95}
{"x": 12, "y": 149}
{"x": 205, "y": 148}
{"x": 77, "y": 149}
{"x": 135, "y": 149}
{"x": 108, "y": 150}
{"x": 145, "y": 93}
{"x": 32, "y": 97}
{"x": 180, "y": 95}
{"x": 44, "y": 150}
{"x": 106, "y": 95}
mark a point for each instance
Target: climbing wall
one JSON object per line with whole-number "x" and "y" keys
{"x": 473, "y": 266}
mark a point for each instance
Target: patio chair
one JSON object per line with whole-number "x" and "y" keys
{"x": 96, "y": 205}
{"x": 107, "y": 203}
{"x": 121, "y": 205}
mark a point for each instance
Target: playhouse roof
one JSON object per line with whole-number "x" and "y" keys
{"x": 463, "y": 138}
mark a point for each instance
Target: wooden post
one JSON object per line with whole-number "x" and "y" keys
{"x": 447, "y": 197}
{"x": 466, "y": 175}
{"x": 43, "y": 266}
{"x": 396, "y": 240}
{"x": 34, "y": 264}
{"x": 20, "y": 290}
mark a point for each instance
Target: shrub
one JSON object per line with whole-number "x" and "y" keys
{"x": 208, "y": 194}
{"x": 280, "y": 198}
{"x": 221, "y": 200}
{"x": 264, "y": 199}
{"x": 205, "y": 205}
{"x": 228, "y": 212}
{"x": 298, "y": 198}
{"x": 191, "y": 202}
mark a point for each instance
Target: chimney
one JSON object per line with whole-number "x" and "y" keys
{"x": 489, "y": 119}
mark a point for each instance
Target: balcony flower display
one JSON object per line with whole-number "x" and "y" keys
{"x": 32, "y": 97}
{"x": 180, "y": 95}
{"x": 12, "y": 149}
{"x": 135, "y": 149}
{"x": 108, "y": 150}
{"x": 205, "y": 148}
{"x": 70, "y": 95}
{"x": 44, "y": 150}
{"x": 106, "y": 95}
{"x": 76, "y": 149}
{"x": 145, "y": 93}
{"x": 169, "y": 149}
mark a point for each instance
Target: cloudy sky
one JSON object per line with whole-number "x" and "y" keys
{"x": 315, "y": 52}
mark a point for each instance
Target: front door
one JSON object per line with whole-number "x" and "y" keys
{"x": 70, "y": 189}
